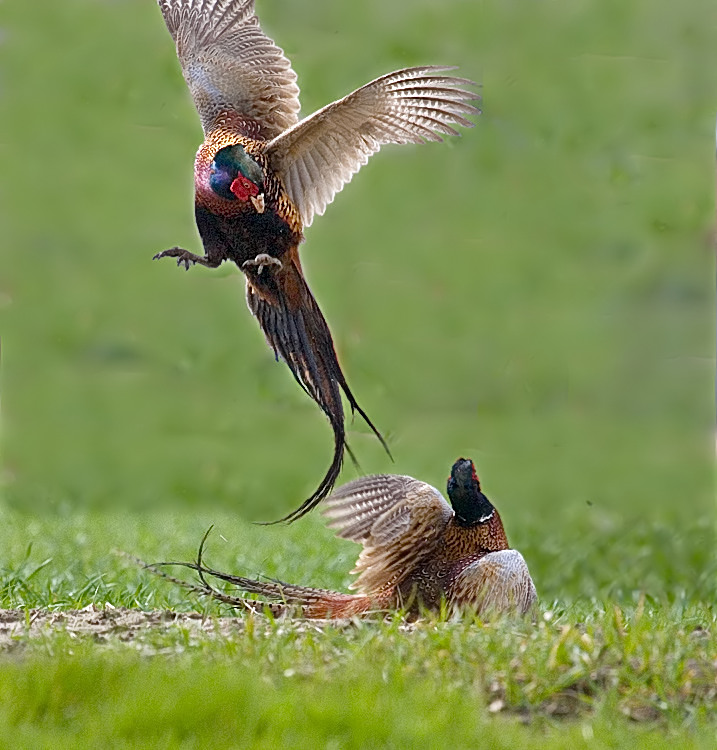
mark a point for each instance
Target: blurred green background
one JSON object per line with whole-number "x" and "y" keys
{"x": 537, "y": 295}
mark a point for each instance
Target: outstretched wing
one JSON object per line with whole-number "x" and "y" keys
{"x": 399, "y": 521}
{"x": 498, "y": 582}
{"x": 230, "y": 65}
{"x": 320, "y": 154}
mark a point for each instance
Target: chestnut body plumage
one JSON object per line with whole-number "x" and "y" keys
{"x": 261, "y": 175}
{"x": 418, "y": 552}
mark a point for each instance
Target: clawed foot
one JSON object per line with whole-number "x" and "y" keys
{"x": 182, "y": 256}
{"x": 261, "y": 260}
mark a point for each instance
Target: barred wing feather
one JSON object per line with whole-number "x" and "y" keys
{"x": 231, "y": 65}
{"x": 320, "y": 154}
{"x": 399, "y": 521}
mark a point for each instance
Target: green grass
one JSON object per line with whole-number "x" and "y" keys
{"x": 367, "y": 685}
{"x": 537, "y": 295}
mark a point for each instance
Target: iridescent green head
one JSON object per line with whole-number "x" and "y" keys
{"x": 234, "y": 175}
{"x": 472, "y": 507}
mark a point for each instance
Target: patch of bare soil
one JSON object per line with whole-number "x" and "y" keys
{"x": 109, "y": 622}
{"x": 119, "y": 624}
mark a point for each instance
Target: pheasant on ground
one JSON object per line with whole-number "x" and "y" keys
{"x": 261, "y": 176}
{"x": 418, "y": 553}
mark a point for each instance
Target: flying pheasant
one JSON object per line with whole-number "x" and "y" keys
{"x": 418, "y": 551}
{"x": 261, "y": 176}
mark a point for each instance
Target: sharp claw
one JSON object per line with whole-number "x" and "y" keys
{"x": 182, "y": 256}
{"x": 260, "y": 262}
{"x": 173, "y": 252}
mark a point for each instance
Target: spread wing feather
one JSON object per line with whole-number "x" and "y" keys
{"x": 230, "y": 65}
{"x": 498, "y": 582}
{"x": 398, "y": 519}
{"x": 320, "y": 154}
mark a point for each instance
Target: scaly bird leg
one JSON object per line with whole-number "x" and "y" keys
{"x": 184, "y": 256}
{"x": 261, "y": 260}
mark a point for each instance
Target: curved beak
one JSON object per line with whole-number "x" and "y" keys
{"x": 258, "y": 202}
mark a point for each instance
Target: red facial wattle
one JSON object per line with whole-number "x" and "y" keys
{"x": 243, "y": 188}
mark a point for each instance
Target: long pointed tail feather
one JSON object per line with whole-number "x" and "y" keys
{"x": 279, "y": 598}
{"x": 297, "y": 332}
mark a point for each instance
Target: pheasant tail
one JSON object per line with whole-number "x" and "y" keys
{"x": 297, "y": 332}
{"x": 279, "y": 598}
